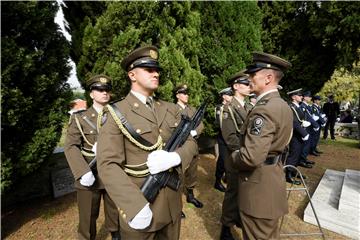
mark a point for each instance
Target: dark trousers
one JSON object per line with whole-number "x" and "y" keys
{"x": 315, "y": 141}
{"x": 89, "y": 206}
{"x": 307, "y": 144}
{"x": 295, "y": 148}
{"x": 223, "y": 153}
{"x": 330, "y": 124}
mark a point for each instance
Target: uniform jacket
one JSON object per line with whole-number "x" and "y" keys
{"x": 74, "y": 142}
{"x": 190, "y": 111}
{"x": 115, "y": 150}
{"x": 233, "y": 118}
{"x": 298, "y": 116}
{"x": 316, "y": 110}
{"x": 308, "y": 115}
{"x": 265, "y": 133}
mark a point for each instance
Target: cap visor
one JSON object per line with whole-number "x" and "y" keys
{"x": 251, "y": 69}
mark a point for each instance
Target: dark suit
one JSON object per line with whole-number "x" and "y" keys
{"x": 332, "y": 110}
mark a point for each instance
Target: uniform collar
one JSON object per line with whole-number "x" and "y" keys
{"x": 183, "y": 106}
{"x": 242, "y": 103}
{"x": 295, "y": 103}
{"x": 139, "y": 96}
{"x": 265, "y": 93}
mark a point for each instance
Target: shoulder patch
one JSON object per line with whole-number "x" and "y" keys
{"x": 256, "y": 126}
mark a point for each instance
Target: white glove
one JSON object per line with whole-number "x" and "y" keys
{"x": 323, "y": 125}
{"x": 315, "y": 117}
{"x": 323, "y": 115}
{"x": 143, "y": 219}
{"x": 94, "y": 148}
{"x": 160, "y": 160}
{"x": 193, "y": 133}
{"x": 305, "y": 124}
{"x": 306, "y": 137}
{"x": 337, "y": 119}
{"x": 87, "y": 179}
{"x": 316, "y": 129}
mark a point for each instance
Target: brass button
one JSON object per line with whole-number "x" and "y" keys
{"x": 176, "y": 124}
{"x": 136, "y": 105}
{"x": 138, "y": 130}
{"x": 93, "y": 115}
{"x": 160, "y": 130}
{"x": 91, "y": 131}
{"x": 245, "y": 179}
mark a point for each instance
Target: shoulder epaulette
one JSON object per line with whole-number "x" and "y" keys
{"x": 79, "y": 111}
{"x": 262, "y": 102}
{"x": 115, "y": 101}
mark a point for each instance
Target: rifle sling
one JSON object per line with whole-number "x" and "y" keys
{"x": 129, "y": 128}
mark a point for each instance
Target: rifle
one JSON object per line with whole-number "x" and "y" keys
{"x": 154, "y": 182}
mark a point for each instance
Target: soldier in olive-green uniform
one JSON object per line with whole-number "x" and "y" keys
{"x": 234, "y": 115}
{"x": 181, "y": 93}
{"x": 129, "y": 150}
{"x": 264, "y": 136}
{"x": 80, "y": 147}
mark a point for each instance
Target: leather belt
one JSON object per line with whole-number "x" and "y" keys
{"x": 272, "y": 160}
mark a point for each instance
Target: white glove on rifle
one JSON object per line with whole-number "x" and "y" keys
{"x": 143, "y": 219}
{"x": 87, "y": 179}
{"x": 160, "y": 160}
{"x": 306, "y": 137}
{"x": 323, "y": 115}
{"x": 94, "y": 148}
{"x": 305, "y": 124}
{"x": 337, "y": 119}
{"x": 316, "y": 129}
{"x": 315, "y": 117}
{"x": 193, "y": 133}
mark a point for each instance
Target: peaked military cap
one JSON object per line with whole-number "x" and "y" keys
{"x": 99, "y": 82}
{"x": 307, "y": 94}
{"x": 182, "y": 88}
{"x": 265, "y": 60}
{"x": 146, "y": 57}
{"x": 239, "y": 77}
{"x": 295, "y": 92}
{"x": 316, "y": 97}
{"x": 226, "y": 91}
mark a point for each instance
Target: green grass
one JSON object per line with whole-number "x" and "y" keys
{"x": 352, "y": 143}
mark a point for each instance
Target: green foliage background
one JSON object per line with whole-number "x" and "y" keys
{"x": 34, "y": 91}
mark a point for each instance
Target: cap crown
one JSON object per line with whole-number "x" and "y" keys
{"x": 182, "y": 88}
{"x": 239, "y": 77}
{"x": 99, "y": 81}
{"x": 265, "y": 60}
{"x": 146, "y": 56}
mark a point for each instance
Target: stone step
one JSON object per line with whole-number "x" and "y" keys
{"x": 350, "y": 193}
{"x": 326, "y": 202}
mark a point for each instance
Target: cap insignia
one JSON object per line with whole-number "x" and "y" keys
{"x": 103, "y": 80}
{"x": 153, "y": 54}
{"x": 268, "y": 65}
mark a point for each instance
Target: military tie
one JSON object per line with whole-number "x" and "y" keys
{"x": 150, "y": 104}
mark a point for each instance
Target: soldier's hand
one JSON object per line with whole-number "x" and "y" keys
{"x": 306, "y": 137}
{"x": 316, "y": 129}
{"x": 87, "y": 179}
{"x": 323, "y": 115}
{"x": 305, "y": 124}
{"x": 193, "y": 133}
{"x": 143, "y": 219}
{"x": 315, "y": 117}
{"x": 160, "y": 160}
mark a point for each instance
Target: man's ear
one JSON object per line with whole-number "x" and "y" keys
{"x": 131, "y": 76}
{"x": 91, "y": 95}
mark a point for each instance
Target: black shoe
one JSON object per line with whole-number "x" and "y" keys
{"x": 115, "y": 236}
{"x": 333, "y": 138}
{"x": 290, "y": 179}
{"x": 218, "y": 185}
{"x": 226, "y": 233}
{"x": 315, "y": 153}
{"x": 305, "y": 165}
{"x": 190, "y": 198}
{"x": 298, "y": 176}
{"x": 183, "y": 214}
{"x": 309, "y": 162}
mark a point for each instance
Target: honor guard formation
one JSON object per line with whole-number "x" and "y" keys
{"x": 140, "y": 154}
